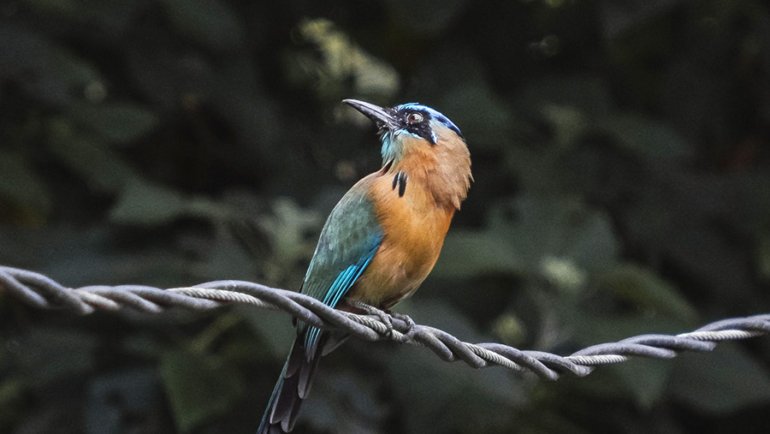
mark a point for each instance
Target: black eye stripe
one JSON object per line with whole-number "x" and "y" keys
{"x": 428, "y": 114}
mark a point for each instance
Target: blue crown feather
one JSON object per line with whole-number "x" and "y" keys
{"x": 434, "y": 114}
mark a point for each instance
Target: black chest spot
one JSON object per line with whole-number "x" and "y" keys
{"x": 399, "y": 180}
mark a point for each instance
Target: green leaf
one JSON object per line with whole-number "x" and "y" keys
{"x": 274, "y": 329}
{"x": 146, "y": 203}
{"x": 11, "y": 402}
{"x": 199, "y": 386}
{"x": 111, "y": 17}
{"x": 52, "y": 354}
{"x": 114, "y": 393}
{"x": 45, "y": 70}
{"x": 586, "y": 94}
{"x": 225, "y": 256}
{"x": 332, "y": 64}
{"x": 645, "y": 289}
{"x": 56, "y": 7}
{"x": 569, "y": 123}
{"x": 101, "y": 167}
{"x": 763, "y": 256}
{"x": 724, "y": 381}
{"x": 620, "y": 18}
{"x": 116, "y": 122}
{"x": 468, "y": 253}
{"x": 21, "y": 185}
{"x": 350, "y": 402}
{"x": 208, "y": 22}
{"x": 425, "y": 17}
{"x": 644, "y": 379}
{"x": 593, "y": 327}
{"x": 484, "y": 116}
{"x": 556, "y": 237}
{"x": 287, "y": 226}
{"x": 545, "y": 227}
{"x": 645, "y": 136}
{"x": 447, "y": 397}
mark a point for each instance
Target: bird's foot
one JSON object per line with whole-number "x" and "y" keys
{"x": 382, "y": 315}
{"x": 410, "y": 324}
{"x": 386, "y": 317}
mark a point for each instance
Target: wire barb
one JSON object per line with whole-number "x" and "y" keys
{"x": 42, "y": 292}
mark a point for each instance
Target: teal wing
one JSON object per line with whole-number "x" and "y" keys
{"x": 349, "y": 240}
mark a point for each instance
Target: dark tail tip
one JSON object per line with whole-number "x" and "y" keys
{"x": 290, "y": 390}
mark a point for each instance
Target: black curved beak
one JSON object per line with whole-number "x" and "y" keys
{"x": 381, "y": 116}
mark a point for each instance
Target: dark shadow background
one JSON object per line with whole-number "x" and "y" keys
{"x": 622, "y": 187}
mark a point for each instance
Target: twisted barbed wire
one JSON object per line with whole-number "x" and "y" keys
{"x": 43, "y": 292}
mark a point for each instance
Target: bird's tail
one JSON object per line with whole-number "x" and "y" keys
{"x": 292, "y": 387}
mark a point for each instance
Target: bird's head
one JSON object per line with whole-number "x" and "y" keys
{"x": 407, "y": 125}
{"x": 428, "y": 137}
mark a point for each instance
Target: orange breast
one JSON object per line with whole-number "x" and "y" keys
{"x": 414, "y": 228}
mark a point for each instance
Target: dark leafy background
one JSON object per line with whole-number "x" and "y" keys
{"x": 622, "y": 187}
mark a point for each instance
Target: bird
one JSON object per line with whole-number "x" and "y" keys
{"x": 381, "y": 240}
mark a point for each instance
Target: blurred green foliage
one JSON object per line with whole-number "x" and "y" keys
{"x": 621, "y": 153}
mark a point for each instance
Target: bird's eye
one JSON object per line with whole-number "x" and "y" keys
{"x": 414, "y": 118}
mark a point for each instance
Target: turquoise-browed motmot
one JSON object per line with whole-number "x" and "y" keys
{"x": 381, "y": 240}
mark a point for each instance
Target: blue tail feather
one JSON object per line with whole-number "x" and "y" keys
{"x": 291, "y": 389}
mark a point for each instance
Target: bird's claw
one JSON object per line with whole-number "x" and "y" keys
{"x": 386, "y": 317}
{"x": 410, "y": 324}
{"x": 382, "y": 315}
